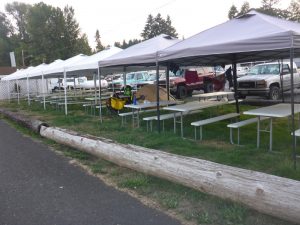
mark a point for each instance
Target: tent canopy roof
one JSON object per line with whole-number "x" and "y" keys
{"x": 253, "y": 36}
{"x": 144, "y": 53}
{"x": 57, "y": 69}
{"x": 90, "y": 63}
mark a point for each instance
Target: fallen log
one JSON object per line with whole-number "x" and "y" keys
{"x": 269, "y": 194}
{"x": 28, "y": 122}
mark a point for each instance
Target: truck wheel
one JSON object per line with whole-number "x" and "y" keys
{"x": 208, "y": 87}
{"x": 181, "y": 92}
{"x": 274, "y": 93}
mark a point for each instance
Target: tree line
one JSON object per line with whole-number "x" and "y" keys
{"x": 269, "y": 7}
{"x": 42, "y": 33}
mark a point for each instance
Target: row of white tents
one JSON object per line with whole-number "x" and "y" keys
{"x": 251, "y": 37}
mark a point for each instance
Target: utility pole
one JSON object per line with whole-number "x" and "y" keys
{"x": 23, "y": 58}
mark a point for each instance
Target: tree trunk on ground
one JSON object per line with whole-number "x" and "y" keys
{"x": 269, "y": 194}
{"x": 30, "y": 123}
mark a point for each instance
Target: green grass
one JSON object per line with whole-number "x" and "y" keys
{"x": 186, "y": 203}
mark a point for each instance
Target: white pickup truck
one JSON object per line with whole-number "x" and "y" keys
{"x": 268, "y": 79}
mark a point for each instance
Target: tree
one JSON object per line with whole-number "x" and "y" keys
{"x": 244, "y": 8}
{"x": 99, "y": 46}
{"x": 269, "y": 4}
{"x": 158, "y": 25}
{"x": 82, "y": 45}
{"x": 54, "y": 34}
{"x": 268, "y": 7}
{"x": 6, "y": 31}
{"x": 19, "y": 12}
{"x": 232, "y": 12}
{"x": 127, "y": 44}
{"x": 294, "y": 10}
{"x": 148, "y": 27}
{"x": 71, "y": 32}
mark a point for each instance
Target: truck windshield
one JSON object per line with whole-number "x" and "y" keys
{"x": 129, "y": 76}
{"x": 264, "y": 69}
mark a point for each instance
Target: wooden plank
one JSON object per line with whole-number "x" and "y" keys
{"x": 268, "y": 194}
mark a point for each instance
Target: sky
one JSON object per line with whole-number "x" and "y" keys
{"x": 119, "y": 20}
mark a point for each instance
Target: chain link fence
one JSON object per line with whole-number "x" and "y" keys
{"x": 11, "y": 89}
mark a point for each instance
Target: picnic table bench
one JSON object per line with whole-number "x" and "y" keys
{"x": 201, "y": 123}
{"x": 164, "y": 117}
{"x": 240, "y": 124}
{"x": 131, "y": 113}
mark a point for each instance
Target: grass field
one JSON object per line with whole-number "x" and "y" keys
{"x": 189, "y": 205}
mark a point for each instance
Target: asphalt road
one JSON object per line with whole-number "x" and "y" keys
{"x": 40, "y": 187}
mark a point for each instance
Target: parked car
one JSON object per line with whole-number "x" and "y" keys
{"x": 241, "y": 71}
{"x": 268, "y": 79}
{"x": 59, "y": 84}
{"x": 133, "y": 79}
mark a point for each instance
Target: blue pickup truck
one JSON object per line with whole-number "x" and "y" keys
{"x": 133, "y": 79}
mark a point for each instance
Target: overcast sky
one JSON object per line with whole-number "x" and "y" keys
{"x": 117, "y": 20}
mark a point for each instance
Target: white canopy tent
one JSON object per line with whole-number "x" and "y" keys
{"x": 137, "y": 57}
{"x": 10, "y": 77}
{"x": 251, "y": 37}
{"x": 59, "y": 69}
{"x": 89, "y": 66}
{"x": 20, "y": 74}
{"x": 40, "y": 71}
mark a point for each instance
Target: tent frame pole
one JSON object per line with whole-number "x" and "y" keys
{"x": 235, "y": 85}
{"x": 100, "y": 95}
{"x": 157, "y": 94}
{"x": 8, "y": 92}
{"x": 44, "y": 100}
{"x": 27, "y": 86}
{"x": 65, "y": 91}
{"x": 167, "y": 81}
{"x": 18, "y": 92}
{"x": 293, "y": 106}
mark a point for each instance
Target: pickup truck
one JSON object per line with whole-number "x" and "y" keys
{"x": 186, "y": 81}
{"x": 134, "y": 79}
{"x": 268, "y": 79}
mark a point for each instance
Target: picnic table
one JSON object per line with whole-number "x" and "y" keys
{"x": 191, "y": 106}
{"x": 138, "y": 107}
{"x": 218, "y": 95}
{"x": 274, "y": 111}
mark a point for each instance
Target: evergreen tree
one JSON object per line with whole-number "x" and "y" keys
{"x": 82, "y": 45}
{"x": 99, "y": 46}
{"x": 158, "y": 25}
{"x": 244, "y": 8}
{"x": 118, "y": 44}
{"x": 148, "y": 27}
{"x": 232, "y": 12}
{"x": 268, "y": 7}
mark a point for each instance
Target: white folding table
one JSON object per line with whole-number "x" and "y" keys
{"x": 274, "y": 111}
{"x": 191, "y": 106}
